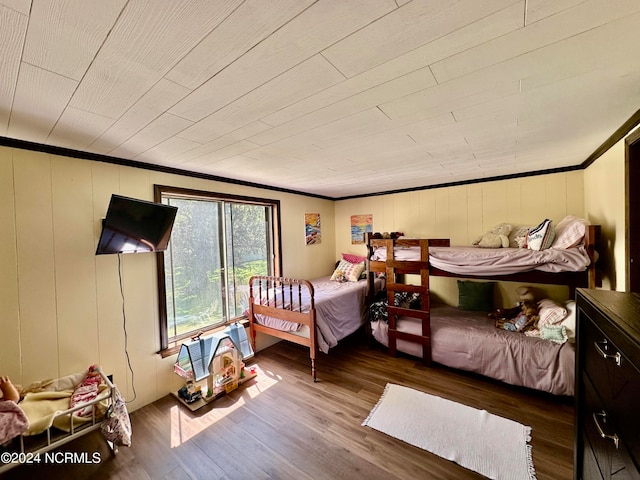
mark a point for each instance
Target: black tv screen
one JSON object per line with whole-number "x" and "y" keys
{"x": 135, "y": 226}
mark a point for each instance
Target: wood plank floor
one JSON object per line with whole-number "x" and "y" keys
{"x": 282, "y": 425}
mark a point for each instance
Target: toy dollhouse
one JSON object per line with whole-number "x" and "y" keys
{"x": 212, "y": 366}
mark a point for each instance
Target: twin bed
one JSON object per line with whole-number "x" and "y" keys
{"x": 447, "y": 335}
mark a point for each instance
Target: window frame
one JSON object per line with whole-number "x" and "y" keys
{"x": 168, "y": 347}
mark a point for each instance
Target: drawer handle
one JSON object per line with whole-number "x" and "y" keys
{"x": 602, "y": 351}
{"x": 613, "y": 437}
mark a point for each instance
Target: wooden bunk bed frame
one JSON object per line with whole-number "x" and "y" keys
{"x": 395, "y": 270}
{"x": 283, "y": 307}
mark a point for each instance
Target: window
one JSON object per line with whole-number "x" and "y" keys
{"x": 218, "y": 242}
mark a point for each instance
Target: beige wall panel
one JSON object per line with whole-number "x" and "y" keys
{"x": 494, "y": 203}
{"x": 458, "y": 215}
{"x": 514, "y": 202}
{"x": 575, "y": 194}
{"x": 36, "y": 270}
{"x": 299, "y": 259}
{"x": 555, "y": 197}
{"x": 10, "y": 319}
{"x": 606, "y": 176}
{"x": 405, "y": 212}
{"x": 426, "y": 224}
{"x": 475, "y": 203}
{"x": 533, "y": 210}
{"x": 442, "y": 226}
{"x": 74, "y": 264}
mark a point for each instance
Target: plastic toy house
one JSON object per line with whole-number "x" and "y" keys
{"x": 212, "y": 366}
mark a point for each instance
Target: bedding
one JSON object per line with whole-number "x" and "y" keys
{"x": 472, "y": 260}
{"x": 469, "y": 340}
{"x": 52, "y": 421}
{"x": 340, "y": 310}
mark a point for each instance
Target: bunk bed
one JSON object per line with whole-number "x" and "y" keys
{"x": 469, "y": 340}
{"x": 316, "y": 313}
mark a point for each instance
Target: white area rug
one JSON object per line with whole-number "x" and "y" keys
{"x": 493, "y": 446}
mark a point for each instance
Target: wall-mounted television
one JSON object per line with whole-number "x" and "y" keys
{"x": 135, "y": 226}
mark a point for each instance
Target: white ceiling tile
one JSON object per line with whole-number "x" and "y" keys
{"x": 414, "y": 25}
{"x": 40, "y": 98}
{"x": 321, "y": 25}
{"x": 76, "y": 129}
{"x": 56, "y": 28}
{"x": 167, "y": 150}
{"x": 305, "y": 79}
{"x": 147, "y": 41}
{"x": 20, "y": 6}
{"x": 154, "y": 103}
{"x": 159, "y": 130}
{"x": 364, "y": 100}
{"x": 247, "y": 26}
{"x": 12, "y": 32}
{"x": 583, "y": 17}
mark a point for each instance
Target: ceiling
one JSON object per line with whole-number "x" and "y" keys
{"x": 334, "y": 98}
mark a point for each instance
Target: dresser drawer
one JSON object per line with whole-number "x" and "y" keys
{"x": 605, "y": 439}
{"x": 600, "y": 359}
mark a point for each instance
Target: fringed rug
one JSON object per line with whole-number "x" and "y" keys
{"x": 493, "y": 446}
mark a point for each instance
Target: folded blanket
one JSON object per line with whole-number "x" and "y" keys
{"x": 41, "y": 409}
{"x": 13, "y": 421}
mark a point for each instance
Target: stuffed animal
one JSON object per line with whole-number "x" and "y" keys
{"x": 517, "y": 319}
{"x": 498, "y": 237}
{"x": 524, "y": 316}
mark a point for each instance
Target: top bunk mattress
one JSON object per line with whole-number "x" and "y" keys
{"x": 472, "y": 260}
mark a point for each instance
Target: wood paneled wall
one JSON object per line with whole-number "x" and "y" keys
{"x": 61, "y": 304}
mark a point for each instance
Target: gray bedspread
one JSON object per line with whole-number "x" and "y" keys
{"x": 469, "y": 341}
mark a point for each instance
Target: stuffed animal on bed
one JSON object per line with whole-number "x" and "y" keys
{"x": 524, "y": 316}
{"x": 518, "y": 319}
{"x": 496, "y": 238}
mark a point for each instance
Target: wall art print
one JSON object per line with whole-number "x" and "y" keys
{"x": 360, "y": 224}
{"x": 312, "y": 234}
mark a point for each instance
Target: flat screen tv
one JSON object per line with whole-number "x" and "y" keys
{"x": 135, "y": 226}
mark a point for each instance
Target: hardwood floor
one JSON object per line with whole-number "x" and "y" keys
{"x": 282, "y": 425}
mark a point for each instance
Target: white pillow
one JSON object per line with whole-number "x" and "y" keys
{"x": 570, "y": 320}
{"x": 541, "y": 237}
{"x": 347, "y": 271}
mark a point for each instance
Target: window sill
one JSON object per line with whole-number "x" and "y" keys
{"x": 174, "y": 347}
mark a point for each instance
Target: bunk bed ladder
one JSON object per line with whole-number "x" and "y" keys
{"x": 395, "y": 273}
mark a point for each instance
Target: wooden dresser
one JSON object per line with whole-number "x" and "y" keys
{"x": 607, "y": 441}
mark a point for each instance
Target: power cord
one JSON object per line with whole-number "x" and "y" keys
{"x": 124, "y": 328}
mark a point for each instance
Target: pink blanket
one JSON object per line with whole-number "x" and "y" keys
{"x": 13, "y": 421}
{"x": 465, "y": 260}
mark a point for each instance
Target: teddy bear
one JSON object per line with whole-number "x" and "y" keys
{"x": 496, "y": 238}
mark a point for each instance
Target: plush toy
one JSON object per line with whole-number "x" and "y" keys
{"x": 496, "y": 238}
{"x": 524, "y": 316}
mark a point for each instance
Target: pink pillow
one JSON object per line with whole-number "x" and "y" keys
{"x": 351, "y": 258}
{"x": 550, "y": 312}
{"x": 569, "y": 232}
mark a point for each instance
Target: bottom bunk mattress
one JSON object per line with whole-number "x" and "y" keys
{"x": 469, "y": 340}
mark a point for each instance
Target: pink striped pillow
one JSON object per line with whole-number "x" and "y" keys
{"x": 569, "y": 232}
